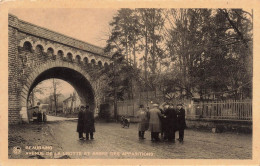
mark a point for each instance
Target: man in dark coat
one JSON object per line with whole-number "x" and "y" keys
{"x": 181, "y": 121}
{"x": 163, "y": 122}
{"x": 172, "y": 123}
{"x": 89, "y": 126}
{"x": 81, "y": 121}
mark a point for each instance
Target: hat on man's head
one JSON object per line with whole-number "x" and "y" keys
{"x": 82, "y": 106}
{"x": 155, "y": 105}
{"x": 166, "y": 106}
{"x": 179, "y": 104}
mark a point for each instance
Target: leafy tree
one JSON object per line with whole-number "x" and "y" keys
{"x": 119, "y": 76}
{"x": 38, "y": 90}
{"x": 184, "y": 52}
{"x": 209, "y": 46}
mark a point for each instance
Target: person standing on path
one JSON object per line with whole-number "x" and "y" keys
{"x": 154, "y": 122}
{"x": 81, "y": 121}
{"x": 181, "y": 121}
{"x": 162, "y": 108}
{"x": 89, "y": 126}
{"x": 172, "y": 122}
{"x": 143, "y": 121}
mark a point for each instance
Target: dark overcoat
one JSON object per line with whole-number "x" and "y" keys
{"x": 89, "y": 125}
{"x": 163, "y": 121}
{"x": 81, "y": 119}
{"x": 171, "y": 120}
{"x": 181, "y": 119}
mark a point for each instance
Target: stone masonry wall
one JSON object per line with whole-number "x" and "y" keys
{"x": 22, "y": 61}
{"x": 13, "y": 83}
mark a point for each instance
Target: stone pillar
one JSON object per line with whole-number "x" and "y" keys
{"x": 13, "y": 72}
{"x": 24, "y": 115}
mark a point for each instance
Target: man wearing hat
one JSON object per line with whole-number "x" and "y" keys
{"x": 163, "y": 107}
{"x": 181, "y": 121}
{"x": 81, "y": 122}
{"x": 89, "y": 127}
{"x": 171, "y": 121}
{"x": 142, "y": 118}
{"x": 154, "y": 122}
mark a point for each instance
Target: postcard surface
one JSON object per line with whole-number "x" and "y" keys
{"x": 121, "y": 82}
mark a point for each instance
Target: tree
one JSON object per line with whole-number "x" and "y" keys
{"x": 56, "y": 93}
{"x": 120, "y": 75}
{"x": 124, "y": 38}
{"x": 209, "y": 46}
{"x": 151, "y": 23}
{"x": 124, "y": 34}
{"x": 186, "y": 52}
{"x": 38, "y": 90}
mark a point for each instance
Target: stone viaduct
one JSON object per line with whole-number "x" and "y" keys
{"x": 36, "y": 54}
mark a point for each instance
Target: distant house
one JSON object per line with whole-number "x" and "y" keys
{"x": 71, "y": 104}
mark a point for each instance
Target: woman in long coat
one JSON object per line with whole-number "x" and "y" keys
{"x": 154, "y": 122}
{"x": 81, "y": 121}
{"x": 89, "y": 126}
{"x": 143, "y": 121}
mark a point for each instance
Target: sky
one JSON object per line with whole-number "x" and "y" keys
{"x": 47, "y": 85}
{"x": 89, "y": 25}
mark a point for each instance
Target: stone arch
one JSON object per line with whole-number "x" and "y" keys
{"x": 39, "y": 48}
{"x": 69, "y": 57}
{"x": 100, "y": 64}
{"x": 50, "y": 53}
{"x": 27, "y": 46}
{"x": 106, "y": 65}
{"x": 60, "y": 54}
{"x": 93, "y": 62}
{"x": 56, "y": 50}
{"x": 86, "y": 61}
{"x": 27, "y": 39}
{"x": 37, "y": 43}
{"x": 50, "y": 46}
{"x": 66, "y": 71}
{"x": 78, "y": 58}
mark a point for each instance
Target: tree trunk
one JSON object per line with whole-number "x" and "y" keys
{"x": 54, "y": 96}
{"x": 145, "y": 64}
{"x": 134, "y": 56}
{"x": 115, "y": 93}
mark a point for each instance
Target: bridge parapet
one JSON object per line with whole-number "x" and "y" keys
{"x": 36, "y": 54}
{"x": 49, "y": 38}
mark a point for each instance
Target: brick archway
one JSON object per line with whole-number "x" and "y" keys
{"x": 51, "y": 70}
{"x": 27, "y": 66}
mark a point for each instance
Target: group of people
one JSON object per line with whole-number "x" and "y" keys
{"x": 164, "y": 119}
{"x": 86, "y": 123}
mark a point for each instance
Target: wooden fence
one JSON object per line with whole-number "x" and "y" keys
{"x": 233, "y": 110}
{"x": 214, "y": 110}
{"x": 128, "y": 108}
